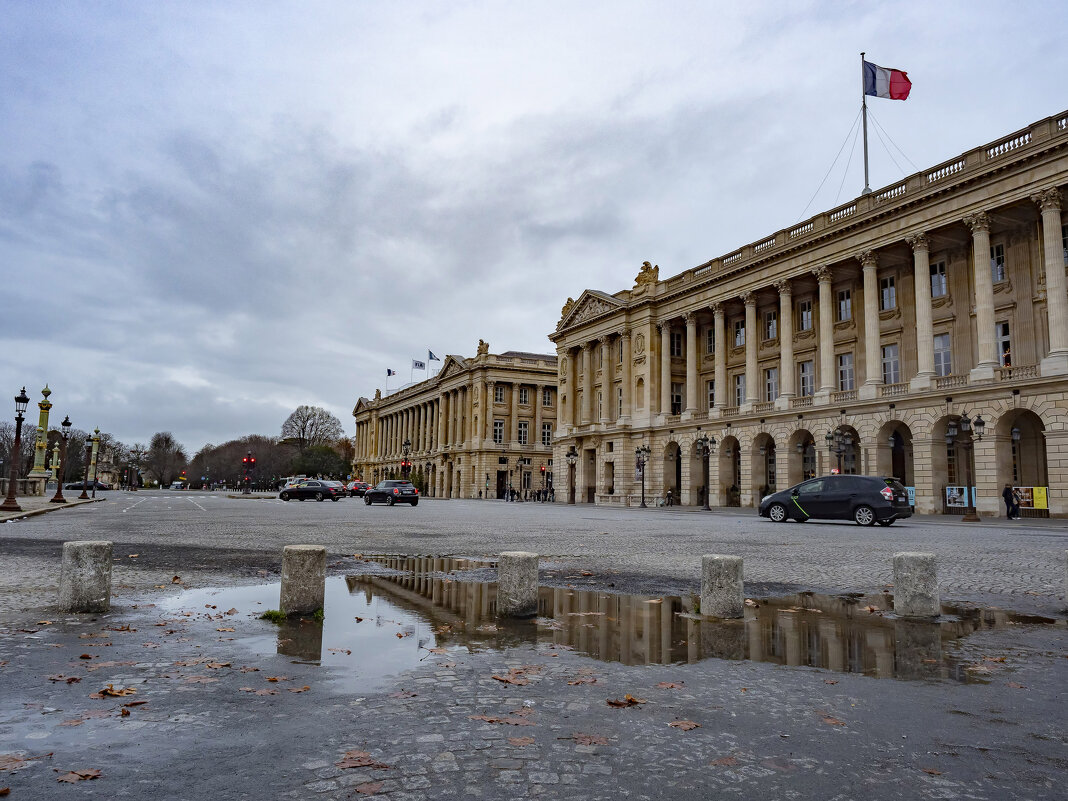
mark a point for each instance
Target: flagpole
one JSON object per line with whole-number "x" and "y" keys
{"x": 864, "y": 114}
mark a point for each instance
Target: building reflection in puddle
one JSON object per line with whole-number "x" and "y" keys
{"x": 854, "y": 634}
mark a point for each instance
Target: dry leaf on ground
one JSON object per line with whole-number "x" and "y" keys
{"x": 627, "y": 700}
{"x": 583, "y": 680}
{"x": 303, "y": 689}
{"x": 507, "y": 720}
{"x": 368, "y": 788}
{"x": 832, "y": 721}
{"x": 79, "y": 775}
{"x": 932, "y": 771}
{"x": 521, "y": 741}
{"x": 111, "y": 692}
{"x": 361, "y": 759}
{"x": 670, "y": 685}
{"x": 685, "y": 725}
{"x": 724, "y": 762}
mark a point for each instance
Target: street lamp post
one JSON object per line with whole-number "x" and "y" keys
{"x": 85, "y": 482}
{"x": 839, "y": 442}
{"x": 96, "y": 456}
{"x": 706, "y": 446}
{"x": 641, "y": 455}
{"x": 9, "y": 504}
{"x": 519, "y": 478}
{"x": 64, "y": 427}
{"x": 249, "y": 463}
{"x": 572, "y": 457}
{"x": 967, "y": 425}
{"x": 406, "y": 464}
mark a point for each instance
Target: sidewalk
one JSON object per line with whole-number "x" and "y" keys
{"x": 33, "y": 505}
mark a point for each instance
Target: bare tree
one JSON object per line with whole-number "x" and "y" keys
{"x": 165, "y": 457}
{"x": 309, "y": 426}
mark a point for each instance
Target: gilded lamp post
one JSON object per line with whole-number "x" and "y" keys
{"x": 40, "y": 451}
{"x": 10, "y": 504}
{"x": 65, "y": 427}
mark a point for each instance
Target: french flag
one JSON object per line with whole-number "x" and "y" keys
{"x": 883, "y": 82}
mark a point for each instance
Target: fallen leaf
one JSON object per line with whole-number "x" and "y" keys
{"x": 358, "y": 619}
{"x": 670, "y": 685}
{"x": 685, "y": 725}
{"x": 44, "y": 622}
{"x": 932, "y": 771}
{"x": 583, "y": 680}
{"x": 111, "y": 692}
{"x": 830, "y": 681}
{"x": 750, "y": 602}
{"x": 79, "y": 775}
{"x": 125, "y": 713}
{"x": 521, "y": 741}
{"x": 277, "y": 678}
{"x": 231, "y": 611}
{"x": 216, "y": 665}
{"x": 403, "y": 694}
{"x": 368, "y": 788}
{"x": 135, "y": 703}
{"x": 5, "y": 791}
{"x": 512, "y": 720}
{"x": 586, "y": 573}
{"x": 74, "y": 722}
{"x": 344, "y": 651}
{"x": 360, "y": 759}
{"x": 224, "y": 629}
{"x": 176, "y": 580}
{"x": 1017, "y": 686}
{"x": 86, "y": 656}
{"x": 133, "y": 556}
{"x": 250, "y": 670}
{"x": 303, "y": 689}
{"x": 257, "y": 692}
{"x": 438, "y": 650}
{"x": 725, "y": 762}
{"x": 589, "y": 739}
{"x": 628, "y": 700}
{"x": 830, "y": 721}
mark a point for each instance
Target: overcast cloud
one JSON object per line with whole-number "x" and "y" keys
{"x": 212, "y": 212}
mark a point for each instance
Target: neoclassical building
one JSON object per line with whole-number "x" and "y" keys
{"x": 484, "y": 424}
{"x": 861, "y": 340}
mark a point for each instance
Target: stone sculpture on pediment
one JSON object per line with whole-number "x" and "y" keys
{"x": 591, "y": 307}
{"x": 483, "y": 347}
{"x": 649, "y": 274}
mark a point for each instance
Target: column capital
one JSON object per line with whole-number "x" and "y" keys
{"x": 1048, "y": 199}
{"x": 784, "y": 286}
{"x": 664, "y": 326}
{"x": 749, "y": 298}
{"x": 868, "y": 259}
{"x": 690, "y": 318}
{"x": 603, "y": 340}
{"x": 587, "y": 347}
{"x": 918, "y": 242}
{"x": 823, "y": 274}
{"x": 624, "y": 334}
{"x": 717, "y": 308}
{"x": 978, "y": 222}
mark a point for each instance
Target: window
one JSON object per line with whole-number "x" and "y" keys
{"x": 887, "y": 294}
{"x": 498, "y": 394}
{"x": 938, "y": 280}
{"x": 771, "y": 325}
{"x": 546, "y": 433}
{"x": 1001, "y": 332}
{"x": 739, "y": 333}
{"x": 806, "y": 373}
{"x": 547, "y": 397}
{"x": 804, "y": 315}
{"x": 711, "y": 387}
{"x": 619, "y": 350}
{"x": 891, "y": 365}
{"x": 1064, "y": 241}
{"x": 676, "y": 397}
{"x": 943, "y": 359}
{"x": 524, "y": 395}
{"x": 600, "y": 404}
{"x": 771, "y": 385}
{"x": 739, "y": 389}
{"x": 524, "y": 428}
{"x": 845, "y": 305}
{"x": 619, "y": 402}
{"x": 676, "y": 343}
{"x": 997, "y": 263}
{"x": 498, "y": 431}
{"x": 811, "y": 487}
{"x": 845, "y": 371}
{"x": 710, "y": 340}
{"x": 600, "y": 357}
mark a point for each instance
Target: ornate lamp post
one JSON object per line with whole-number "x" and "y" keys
{"x": 64, "y": 428}
{"x": 967, "y": 425}
{"x": 641, "y": 456}
{"x": 572, "y": 457}
{"x": 85, "y": 482}
{"x": 705, "y": 445}
{"x": 519, "y": 479}
{"x": 839, "y": 442}
{"x": 9, "y": 504}
{"x": 95, "y": 456}
{"x": 406, "y": 463}
{"x": 429, "y": 466}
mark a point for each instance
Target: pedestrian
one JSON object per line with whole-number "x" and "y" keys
{"x": 1007, "y": 495}
{"x": 669, "y": 498}
{"x": 1017, "y": 499}
{"x": 480, "y": 495}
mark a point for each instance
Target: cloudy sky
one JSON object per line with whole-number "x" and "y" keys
{"x": 212, "y": 212}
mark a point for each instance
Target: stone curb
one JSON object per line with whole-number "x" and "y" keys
{"x": 52, "y": 507}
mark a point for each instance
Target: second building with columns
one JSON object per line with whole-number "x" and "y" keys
{"x": 480, "y": 427}
{"x": 861, "y": 340}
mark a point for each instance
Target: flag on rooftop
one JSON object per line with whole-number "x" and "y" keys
{"x": 431, "y": 357}
{"x": 883, "y": 82}
{"x": 418, "y": 365}
{"x": 390, "y": 372}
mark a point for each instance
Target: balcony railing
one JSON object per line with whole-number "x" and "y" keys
{"x": 764, "y": 406}
{"x": 801, "y": 403}
{"x": 950, "y": 381}
{"x": 893, "y": 390}
{"x": 1016, "y": 373}
{"x": 843, "y": 396}
{"x": 730, "y": 411}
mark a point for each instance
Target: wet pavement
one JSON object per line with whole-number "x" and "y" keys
{"x": 413, "y": 689}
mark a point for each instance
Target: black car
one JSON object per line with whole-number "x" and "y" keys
{"x": 357, "y": 488}
{"x": 866, "y": 500}
{"x": 392, "y": 491}
{"x": 313, "y": 488}
{"x": 100, "y": 485}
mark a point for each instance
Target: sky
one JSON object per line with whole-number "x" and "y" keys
{"x": 214, "y": 212}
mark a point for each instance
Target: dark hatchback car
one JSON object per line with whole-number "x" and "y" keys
{"x": 100, "y": 485}
{"x": 866, "y": 500}
{"x": 357, "y": 488}
{"x": 392, "y": 491}
{"x": 319, "y": 490}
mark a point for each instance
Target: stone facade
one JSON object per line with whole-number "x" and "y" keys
{"x": 885, "y": 320}
{"x": 483, "y": 424}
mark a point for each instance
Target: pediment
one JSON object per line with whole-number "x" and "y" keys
{"x": 451, "y": 366}
{"x": 362, "y": 405}
{"x": 590, "y": 304}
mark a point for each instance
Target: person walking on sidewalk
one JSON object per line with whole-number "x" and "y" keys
{"x": 1009, "y": 496}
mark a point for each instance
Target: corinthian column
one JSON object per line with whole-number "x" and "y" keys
{"x": 606, "y": 379}
{"x": 691, "y": 366}
{"x": 825, "y": 277}
{"x": 752, "y": 337}
{"x": 720, "y": 337}
{"x": 786, "y": 344}
{"x": 984, "y": 297}
{"x": 873, "y": 376}
{"x": 1049, "y": 202}
{"x": 587, "y": 384}
{"x": 665, "y": 367}
{"x": 921, "y": 272}
{"x": 624, "y": 340}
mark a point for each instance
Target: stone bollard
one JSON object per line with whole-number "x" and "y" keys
{"x": 517, "y": 584}
{"x": 85, "y": 577}
{"x": 916, "y": 585}
{"x": 303, "y": 579}
{"x": 722, "y": 594}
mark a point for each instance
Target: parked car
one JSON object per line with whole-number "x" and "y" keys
{"x": 100, "y": 485}
{"x": 357, "y": 488}
{"x": 313, "y": 488}
{"x": 866, "y": 500}
{"x": 392, "y": 491}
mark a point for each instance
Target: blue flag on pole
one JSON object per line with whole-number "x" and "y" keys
{"x": 431, "y": 357}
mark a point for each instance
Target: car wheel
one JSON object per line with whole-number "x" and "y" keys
{"x": 777, "y": 513}
{"x": 415, "y": 502}
{"x": 284, "y": 496}
{"x": 335, "y": 499}
{"x": 389, "y": 500}
{"x": 302, "y": 499}
{"x": 864, "y": 516}
{"x": 367, "y": 499}
{"x": 885, "y": 522}
{"x": 318, "y": 496}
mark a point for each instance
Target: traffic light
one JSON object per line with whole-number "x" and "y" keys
{"x": 543, "y": 469}
{"x": 244, "y": 460}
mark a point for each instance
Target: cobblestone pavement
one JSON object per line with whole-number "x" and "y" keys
{"x": 443, "y": 727}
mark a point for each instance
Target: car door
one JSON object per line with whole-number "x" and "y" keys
{"x": 839, "y": 496}
{"x": 807, "y": 497}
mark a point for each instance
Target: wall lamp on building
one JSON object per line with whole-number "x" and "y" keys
{"x": 705, "y": 447}
{"x": 10, "y": 504}
{"x": 64, "y": 433}
{"x": 969, "y": 427}
{"x": 839, "y": 442}
{"x": 572, "y": 457}
{"x": 641, "y": 456}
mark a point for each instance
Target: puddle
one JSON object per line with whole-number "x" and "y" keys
{"x": 377, "y": 626}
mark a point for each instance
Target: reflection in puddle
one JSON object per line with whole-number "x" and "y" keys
{"x": 377, "y": 626}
